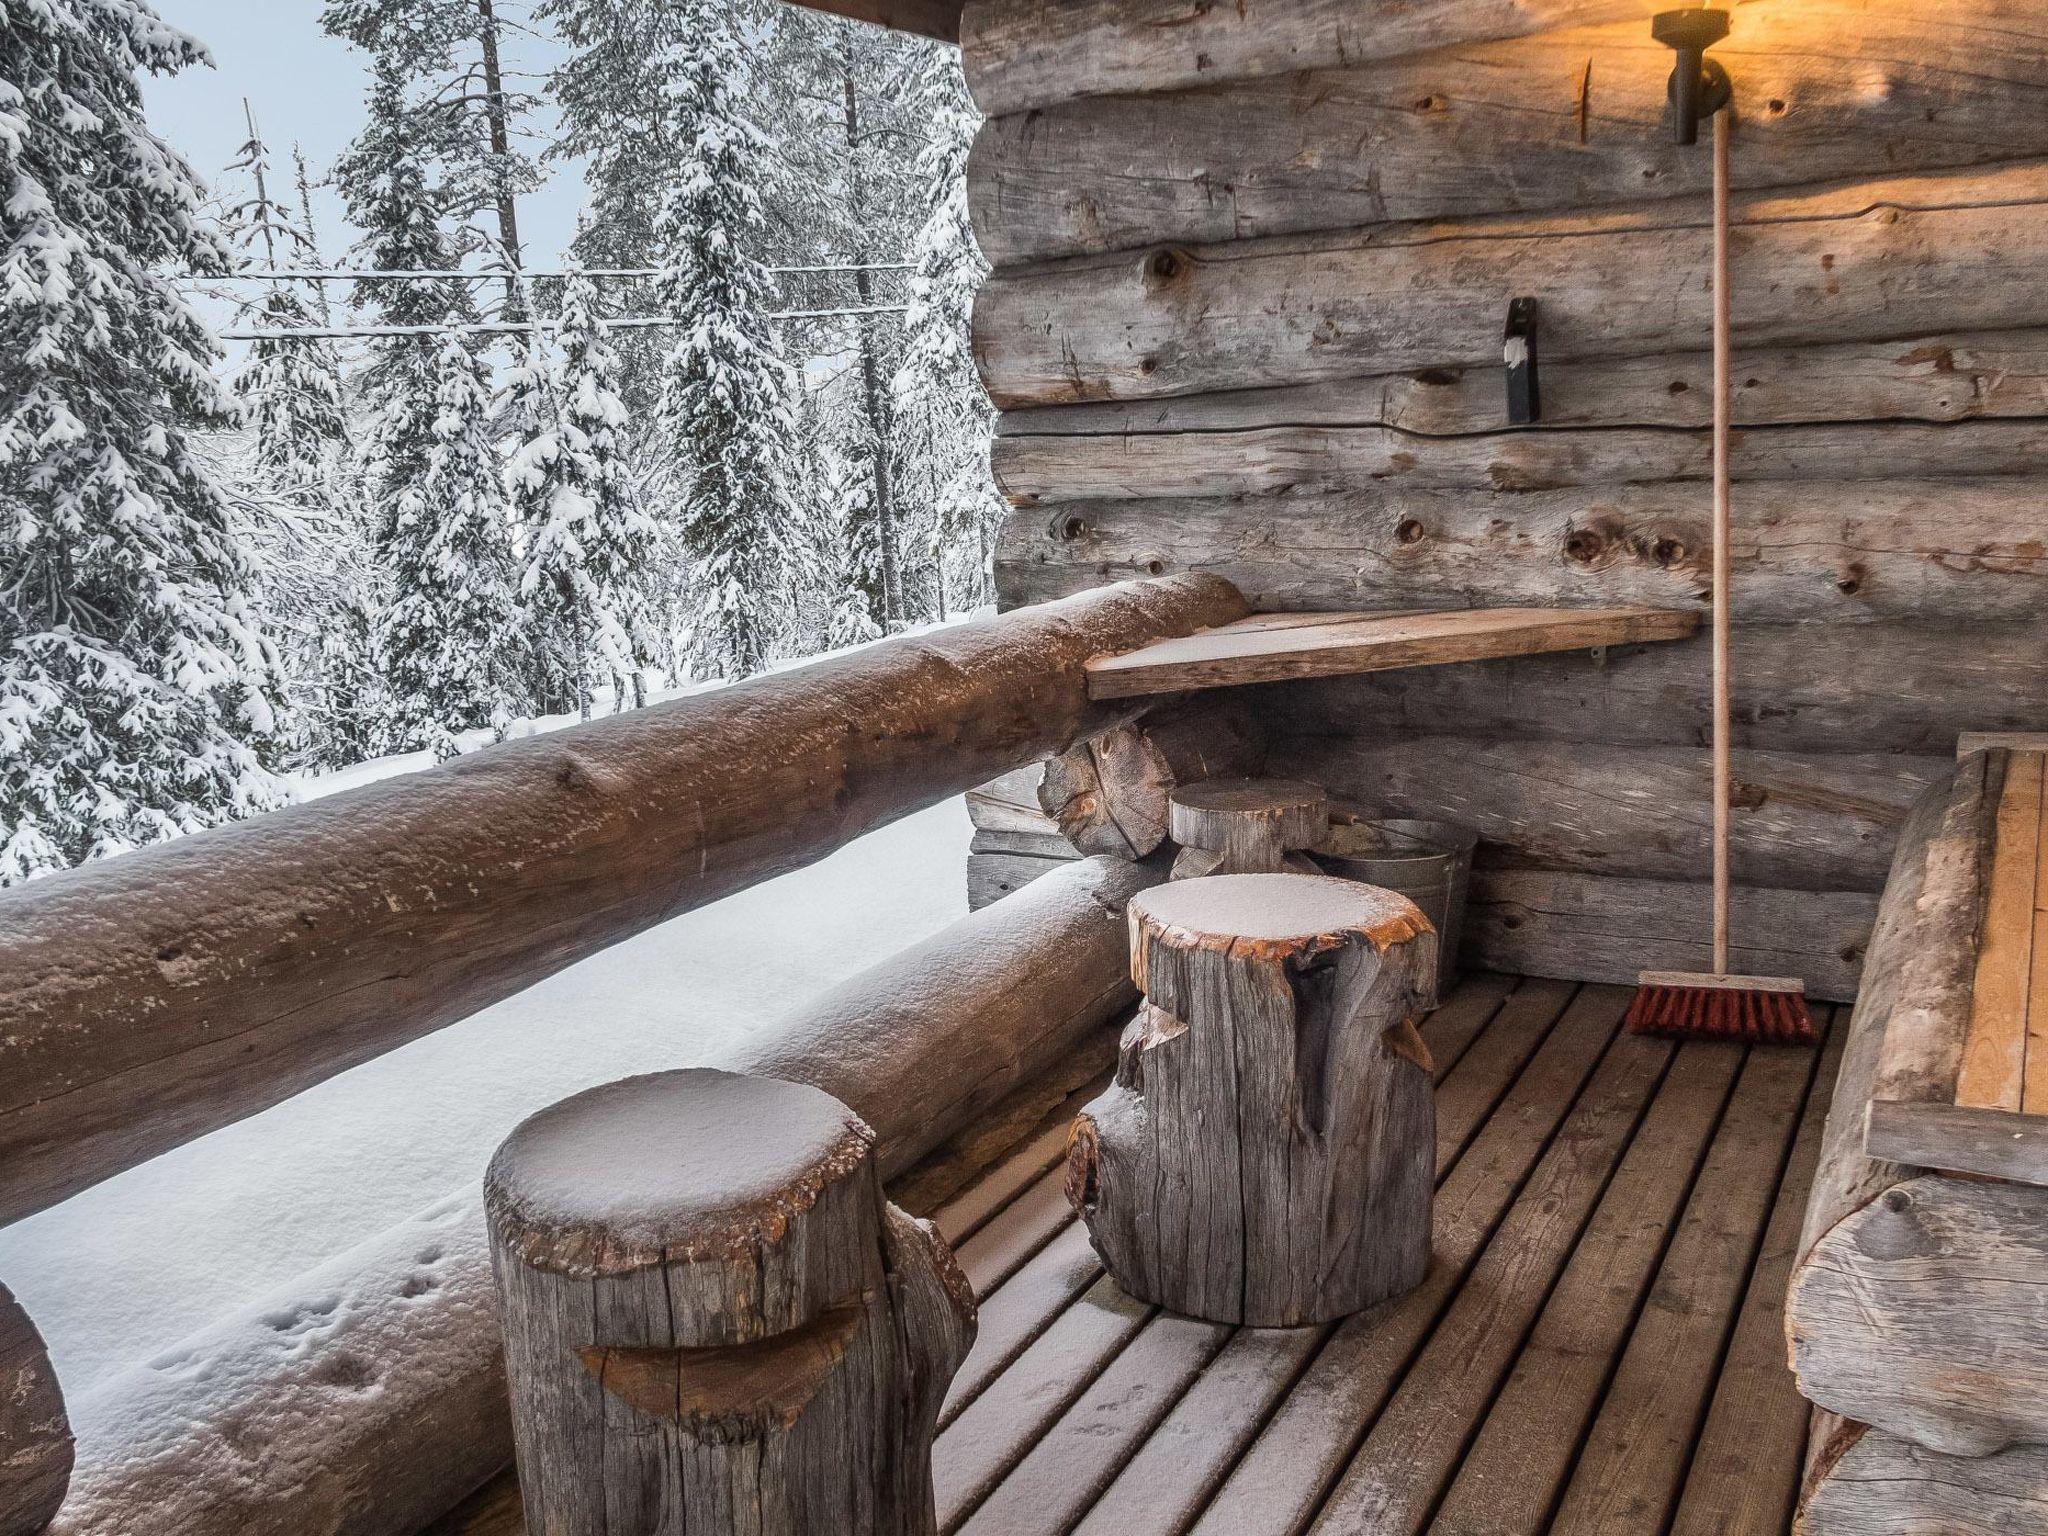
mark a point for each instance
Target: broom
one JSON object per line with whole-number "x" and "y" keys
{"x": 1717, "y": 1005}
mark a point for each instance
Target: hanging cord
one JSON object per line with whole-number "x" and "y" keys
{"x": 1721, "y": 773}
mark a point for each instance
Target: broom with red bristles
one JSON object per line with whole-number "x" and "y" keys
{"x": 1716, "y": 1005}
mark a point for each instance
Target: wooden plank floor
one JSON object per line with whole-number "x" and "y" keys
{"x": 1597, "y": 1348}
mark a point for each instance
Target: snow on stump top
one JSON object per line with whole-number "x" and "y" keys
{"x": 710, "y": 1307}
{"x": 1266, "y": 1155}
{"x": 1247, "y": 826}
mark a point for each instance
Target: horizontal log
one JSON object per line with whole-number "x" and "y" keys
{"x": 1926, "y": 550}
{"x": 1020, "y": 54}
{"x": 1953, "y": 377}
{"x": 160, "y": 995}
{"x": 993, "y": 875}
{"x": 1009, "y": 803}
{"x": 1110, "y": 794}
{"x": 1800, "y": 821}
{"x": 1886, "y": 687}
{"x": 1875, "y": 1482}
{"x": 1042, "y": 470}
{"x": 928, "y": 18}
{"x": 1573, "y": 118}
{"x": 1543, "y": 922}
{"x": 1873, "y": 261}
{"x": 368, "y": 1396}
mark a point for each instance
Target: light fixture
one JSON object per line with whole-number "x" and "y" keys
{"x": 1699, "y": 86}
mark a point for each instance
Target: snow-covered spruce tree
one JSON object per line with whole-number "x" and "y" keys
{"x": 855, "y": 565}
{"x": 728, "y": 397}
{"x": 138, "y": 690}
{"x": 291, "y": 386}
{"x": 449, "y": 633}
{"x": 943, "y": 418}
{"x": 588, "y": 542}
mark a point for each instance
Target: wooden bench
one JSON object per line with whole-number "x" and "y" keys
{"x": 1918, "y": 1311}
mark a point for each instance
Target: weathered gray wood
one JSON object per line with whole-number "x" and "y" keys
{"x": 1265, "y": 1155}
{"x": 1572, "y": 118}
{"x": 920, "y": 1046}
{"x": 714, "y": 1320}
{"x": 992, "y": 876}
{"x": 1925, "y": 1313}
{"x": 1801, "y": 821}
{"x": 1247, "y": 826}
{"x": 1882, "y": 687}
{"x": 1586, "y": 927}
{"x": 35, "y": 1431}
{"x": 1029, "y": 53}
{"x": 157, "y": 996}
{"x": 1907, "y": 257}
{"x": 1333, "y": 644}
{"x": 1967, "y": 551}
{"x": 1884, "y": 1484}
{"x": 1108, "y": 794}
{"x": 1940, "y": 378}
{"x": 1049, "y": 469}
{"x": 1008, "y": 804}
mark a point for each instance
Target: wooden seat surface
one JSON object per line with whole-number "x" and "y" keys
{"x": 1598, "y": 1346}
{"x": 1273, "y": 647}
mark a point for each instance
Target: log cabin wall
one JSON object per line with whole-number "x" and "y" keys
{"x": 1252, "y": 264}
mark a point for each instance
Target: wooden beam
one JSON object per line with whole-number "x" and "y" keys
{"x": 155, "y": 997}
{"x": 927, "y": 18}
{"x": 391, "y": 1404}
{"x": 1569, "y": 119}
{"x": 1367, "y": 642}
{"x": 1905, "y": 257}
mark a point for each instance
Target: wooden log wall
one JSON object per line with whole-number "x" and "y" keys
{"x": 1252, "y": 264}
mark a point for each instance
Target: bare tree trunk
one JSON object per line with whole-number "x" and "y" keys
{"x": 874, "y": 397}
{"x": 501, "y": 150}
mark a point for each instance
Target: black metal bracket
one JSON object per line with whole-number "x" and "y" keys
{"x": 1518, "y": 352}
{"x": 1699, "y": 87}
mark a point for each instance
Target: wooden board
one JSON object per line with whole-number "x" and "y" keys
{"x": 1368, "y": 642}
{"x": 1995, "y": 1067}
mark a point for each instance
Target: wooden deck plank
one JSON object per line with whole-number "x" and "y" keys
{"x": 980, "y": 1202}
{"x": 1019, "y": 1230}
{"x": 1508, "y": 1480}
{"x": 1281, "y": 1480}
{"x": 1062, "y": 1474}
{"x": 1634, "y": 1461}
{"x": 1021, "y": 1309}
{"x": 1994, "y": 1046}
{"x": 1000, "y": 1426}
{"x": 1745, "y": 1470}
{"x": 1254, "y": 651}
{"x": 1170, "y": 1477}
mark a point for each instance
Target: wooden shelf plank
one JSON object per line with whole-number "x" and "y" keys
{"x": 1268, "y": 648}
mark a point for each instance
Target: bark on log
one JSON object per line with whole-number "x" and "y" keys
{"x": 157, "y": 996}
{"x": 1877, "y": 261}
{"x": 1884, "y": 687}
{"x": 1574, "y": 118}
{"x": 1044, "y": 470}
{"x": 1944, "y": 378}
{"x": 1020, "y": 54}
{"x": 1601, "y": 928}
{"x": 1967, "y": 550}
{"x": 715, "y": 1322}
{"x": 1109, "y": 794}
{"x": 1247, "y": 827}
{"x": 1266, "y": 1154}
{"x": 1801, "y": 821}
{"x": 35, "y": 1431}
{"x": 369, "y": 1396}
{"x": 1878, "y": 1485}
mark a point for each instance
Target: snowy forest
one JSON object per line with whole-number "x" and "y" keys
{"x": 273, "y": 503}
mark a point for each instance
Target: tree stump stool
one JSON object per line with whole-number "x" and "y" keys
{"x": 1267, "y": 1152}
{"x": 35, "y": 1431}
{"x": 1247, "y": 827}
{"x": 714, "y": 1320}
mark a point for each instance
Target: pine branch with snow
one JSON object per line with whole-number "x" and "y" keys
{"x": 139, "y": 688}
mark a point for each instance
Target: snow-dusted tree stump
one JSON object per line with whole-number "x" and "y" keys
{"x": 714, "y": 1320}
{"x": 35, "y": 1432}
{"x": 1247, "y": 827}
{"x": 1267, "y": 1152}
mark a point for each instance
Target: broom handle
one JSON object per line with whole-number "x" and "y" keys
{"x": 1721, "y": 773}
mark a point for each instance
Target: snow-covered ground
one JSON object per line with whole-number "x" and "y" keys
{"x": 127, "y": 1268}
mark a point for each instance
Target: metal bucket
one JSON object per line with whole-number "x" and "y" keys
{"x": 1429, "y": 862}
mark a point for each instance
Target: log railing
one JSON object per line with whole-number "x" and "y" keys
{"x": 156, "y": 997}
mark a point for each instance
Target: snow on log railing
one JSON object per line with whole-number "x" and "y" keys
{"x": 160, "y": 995}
